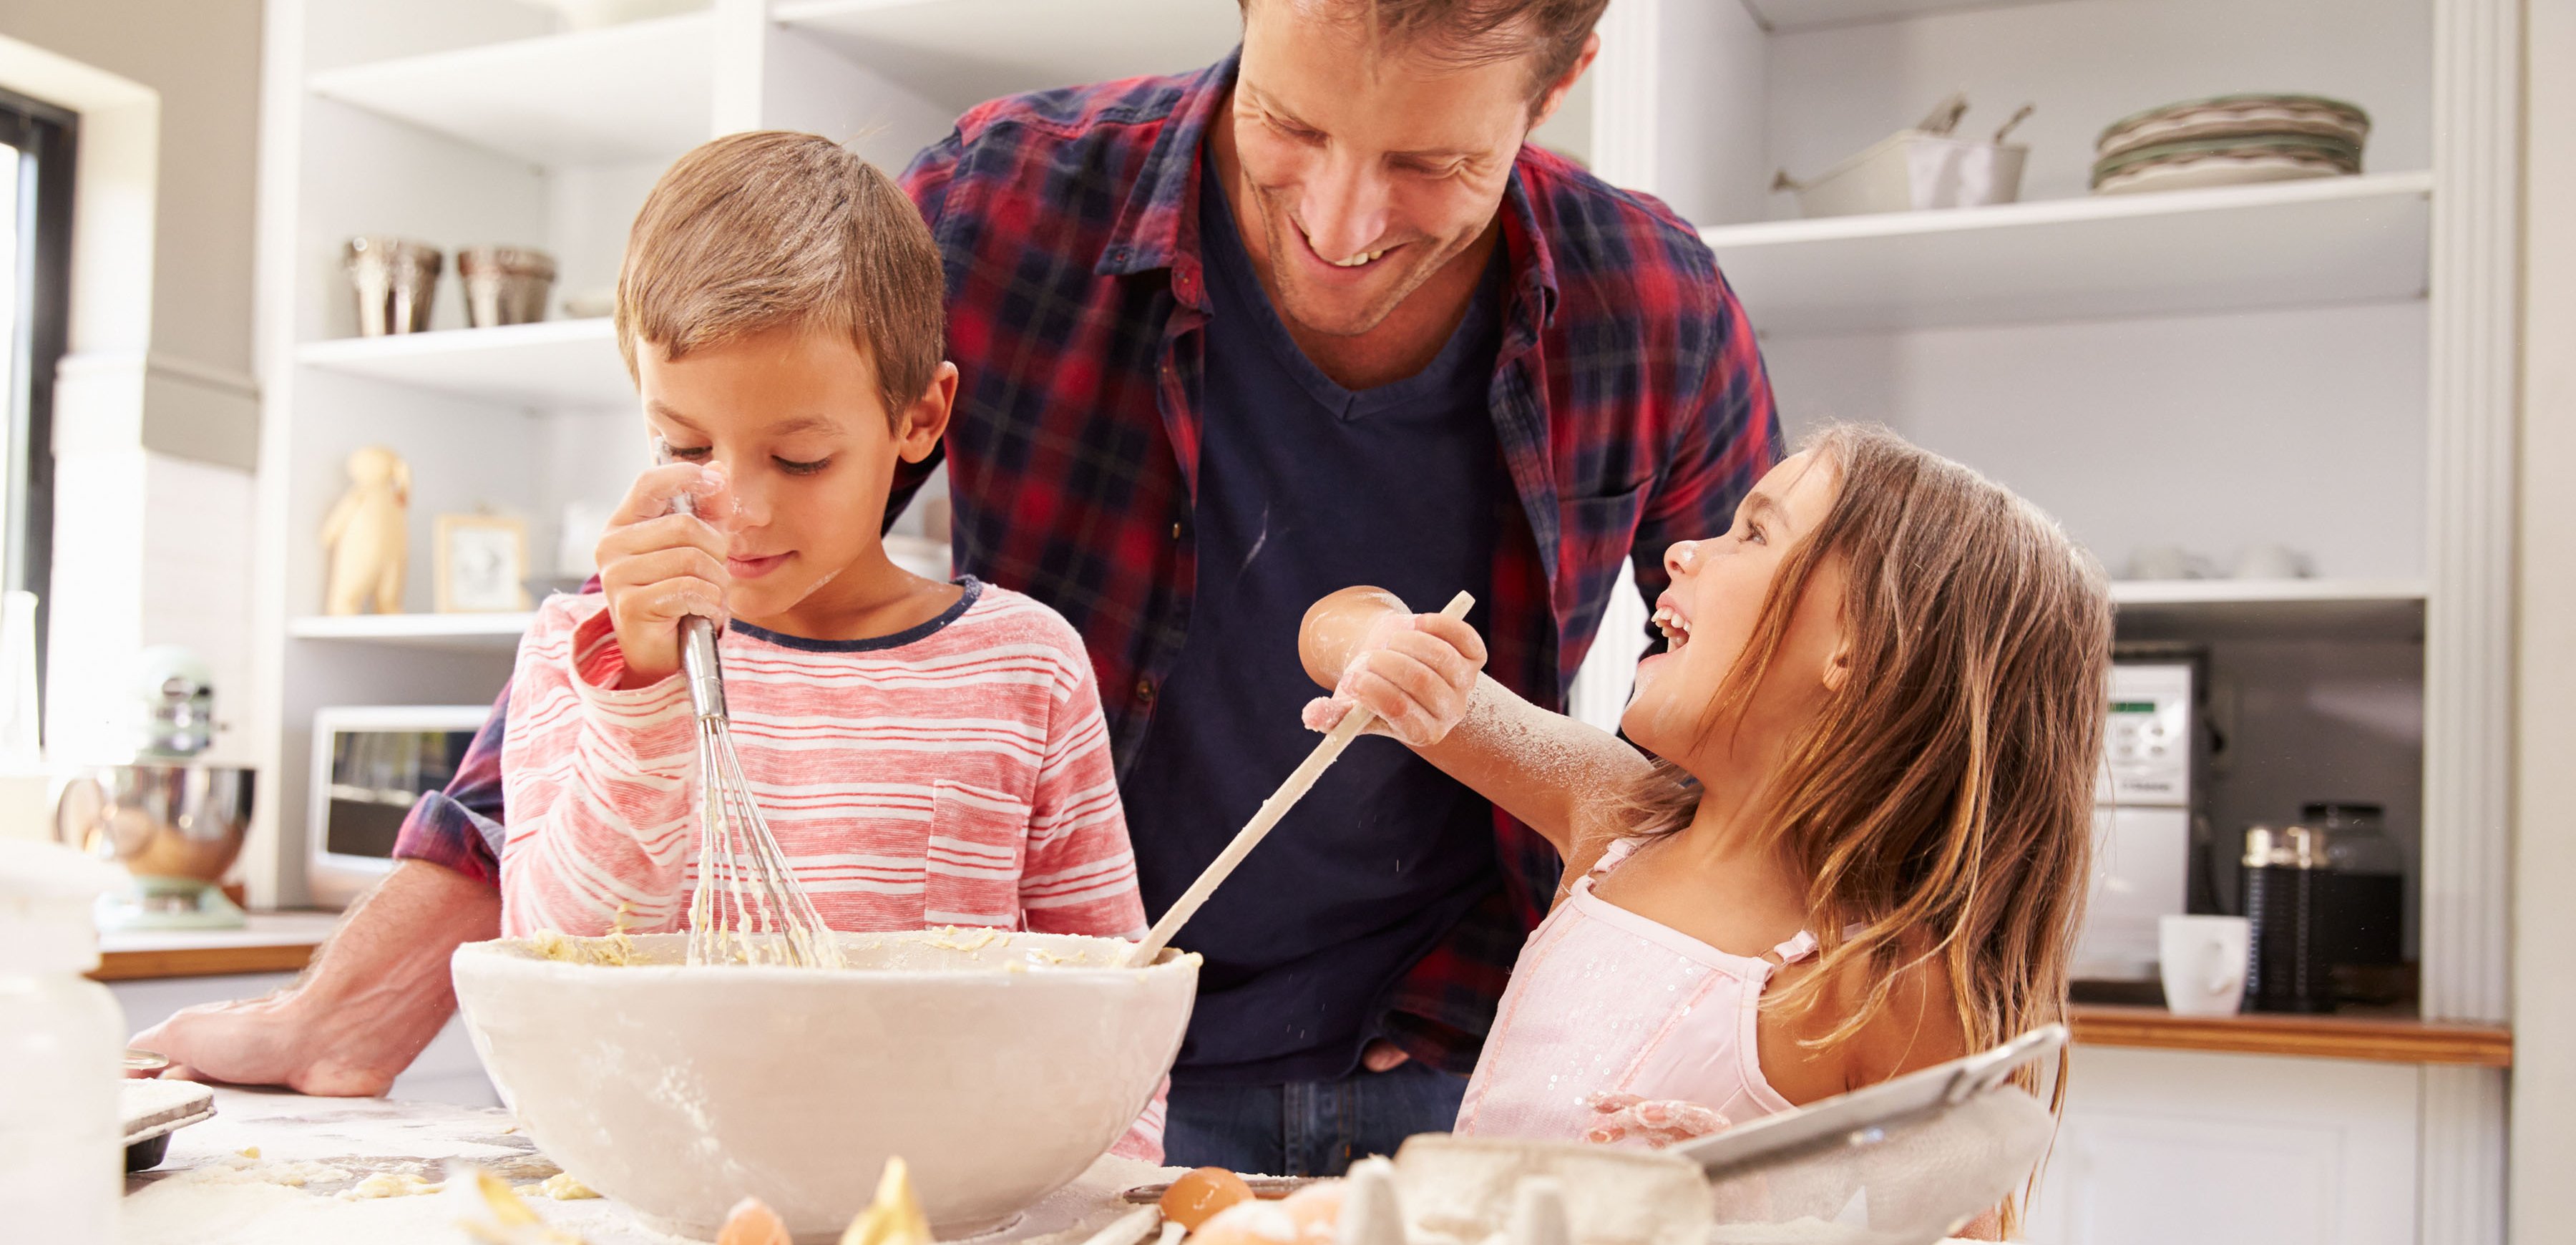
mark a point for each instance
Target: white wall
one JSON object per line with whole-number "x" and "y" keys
{"x": 2209, "y": 432}
{"x": 202, "y": 56}
{"x": 2543, "y": 1201}
{"x": 156, "y": 421}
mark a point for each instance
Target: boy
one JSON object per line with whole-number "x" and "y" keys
{"x": 926, "y": 753}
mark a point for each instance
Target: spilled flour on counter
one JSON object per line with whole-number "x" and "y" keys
{"x": 390, "y": 1184}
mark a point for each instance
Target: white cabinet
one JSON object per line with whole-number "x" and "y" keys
{"x": 2165, "y": 1146}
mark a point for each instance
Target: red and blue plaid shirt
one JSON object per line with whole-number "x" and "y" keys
{"x": 1628, "y": 397}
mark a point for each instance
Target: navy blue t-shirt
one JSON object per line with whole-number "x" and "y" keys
{"x": 1304, "y": 488}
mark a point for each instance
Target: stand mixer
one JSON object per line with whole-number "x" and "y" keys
{"x": 175, "y": 824}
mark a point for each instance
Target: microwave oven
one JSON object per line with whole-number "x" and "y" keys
{"x": 370, "y": 765}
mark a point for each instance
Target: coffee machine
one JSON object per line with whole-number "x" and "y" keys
{"x": 2146, "y": 804}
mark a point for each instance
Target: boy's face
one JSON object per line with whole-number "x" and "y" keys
{"x": 795, "y": 422}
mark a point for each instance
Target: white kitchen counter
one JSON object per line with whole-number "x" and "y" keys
{"x": 266, "y": 929}
{"x": 207, "y": 1192}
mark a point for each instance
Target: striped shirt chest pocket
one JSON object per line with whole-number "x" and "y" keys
{"x": 975, "y": 852}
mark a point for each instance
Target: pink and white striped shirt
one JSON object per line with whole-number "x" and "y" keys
{"x": 953, "y": 774}
{"x": 957, "y": 773}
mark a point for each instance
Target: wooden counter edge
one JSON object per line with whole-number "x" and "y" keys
{"x": 202, "y": 962}
{"x": 2372, "y": 1039}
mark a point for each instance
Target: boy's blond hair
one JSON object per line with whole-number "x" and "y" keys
{"x": 758, "y": 230}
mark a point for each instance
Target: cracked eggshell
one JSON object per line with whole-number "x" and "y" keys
{"x": 679, "y": 1090}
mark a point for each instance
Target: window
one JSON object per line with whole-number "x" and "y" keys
{"x": 36, "y": 142}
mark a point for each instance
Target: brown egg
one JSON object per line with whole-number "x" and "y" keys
{"x": 1199, "y": 1195}
{"x": 751, "y": 1222}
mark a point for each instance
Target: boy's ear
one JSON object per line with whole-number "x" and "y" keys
{"x": 918, "y": 430}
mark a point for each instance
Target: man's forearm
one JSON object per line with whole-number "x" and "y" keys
{"x": 375, "y": 994}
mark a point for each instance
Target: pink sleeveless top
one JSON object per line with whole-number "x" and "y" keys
{"x": 1604, "y": 1001}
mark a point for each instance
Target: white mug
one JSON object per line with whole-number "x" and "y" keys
{"x": 2204, "y": 963}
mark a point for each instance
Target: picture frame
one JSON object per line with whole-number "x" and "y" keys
{"x": 482, "y": 564}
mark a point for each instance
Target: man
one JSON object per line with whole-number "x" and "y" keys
{"x": 1314, "y": 316}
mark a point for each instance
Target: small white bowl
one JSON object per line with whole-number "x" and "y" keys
{"x": 999, "y": 1065}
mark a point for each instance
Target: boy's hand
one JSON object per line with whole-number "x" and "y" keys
{"x": 658, "y": 566}
{"x": 1416, "y": 672}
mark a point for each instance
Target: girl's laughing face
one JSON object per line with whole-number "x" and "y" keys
{"x": 1709, "y": 613}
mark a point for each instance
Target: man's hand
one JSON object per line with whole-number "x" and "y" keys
{"x": 658, "y": 566}
{"x": 374, "y": 996}
{"x": 1656, "y": 1123}
{"x": 1416, "y": 672}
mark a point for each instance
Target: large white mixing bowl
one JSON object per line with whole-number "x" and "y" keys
{"x": 998, "y": 1065}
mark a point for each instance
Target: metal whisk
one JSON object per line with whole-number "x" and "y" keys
{"x": 747, "y": 908}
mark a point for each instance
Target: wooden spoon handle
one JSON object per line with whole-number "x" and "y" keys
{"x": 1294, "y": 789}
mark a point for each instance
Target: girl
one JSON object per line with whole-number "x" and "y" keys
{"x": 1860, "y": 844}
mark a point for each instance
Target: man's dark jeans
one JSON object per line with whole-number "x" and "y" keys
{"x": 1314, "y": 1128}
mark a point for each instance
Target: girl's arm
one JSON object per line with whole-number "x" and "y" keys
{"x": 597, "y": 784}
{"x": 1419, "y": 673}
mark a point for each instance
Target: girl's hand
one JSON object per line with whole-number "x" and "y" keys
{"x": 1655, "y": 1122}
{"x": 658, "y": 566}
{"x": 1416, "y": 672}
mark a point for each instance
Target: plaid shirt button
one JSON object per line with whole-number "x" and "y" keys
{"x": 1145, "y": 689}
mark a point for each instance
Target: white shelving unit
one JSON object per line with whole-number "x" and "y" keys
{"x": 2285, "y": 244}
{"x": 605, "y": 96}
{"x": 2232, "y": 609}
{"x": 959, "y": 53}
{"x": 465, "y": 633}
{"x": 555, "y": 363}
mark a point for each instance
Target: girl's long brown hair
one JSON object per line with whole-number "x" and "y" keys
{"x": 1941, "y": 800}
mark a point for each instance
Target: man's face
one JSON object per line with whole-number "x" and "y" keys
{"x": 1366, "y": 174}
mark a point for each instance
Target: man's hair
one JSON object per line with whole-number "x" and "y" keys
{"x": 767, "y": 229}
{"x": 1476, "y": 32}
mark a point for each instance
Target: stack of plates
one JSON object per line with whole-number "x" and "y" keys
{"x": 2230, "y": 140}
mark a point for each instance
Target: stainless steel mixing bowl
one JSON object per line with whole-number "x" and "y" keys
{"x": 171, "y": 821}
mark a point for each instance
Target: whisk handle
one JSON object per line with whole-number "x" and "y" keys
{"x": 697, "y": 635}
{"x": 699, "y": 662}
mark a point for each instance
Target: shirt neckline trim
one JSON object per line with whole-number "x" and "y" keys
{"x": 909, "y": 635}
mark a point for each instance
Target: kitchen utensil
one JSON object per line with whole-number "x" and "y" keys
{"x": 748, "y": 907}
{"x": 155, "y": 1109}
{"x": 396, "y": 281}
{"x": 504, "y": 284}
{"x": 2285, "y": 966}
{"x": 1266, "y": 1188}
{"x": 2203, "y": 962}
{"x": 999, "y": 1065}
{"x": 2234, "y": 117}
{"x": 2362, "y": 907}
{"x": 176, "y": 828}
{"x": 2229, "y": 140}
{"x": 1298, "y": 783}
{"x": 1902, "y": 1163}
{"x": 1917, "y": 169}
